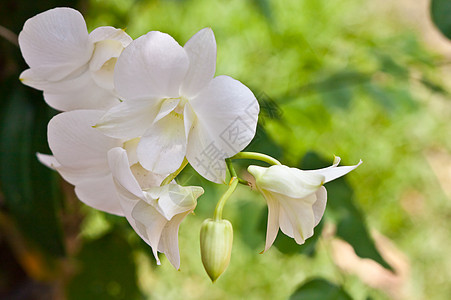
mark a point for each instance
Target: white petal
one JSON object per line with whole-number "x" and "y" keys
{"x": 169, "y": 244}
{"x": 123, "y": 176}
{"x": 150, "y": 224}
{"x": 298, "y": 217}
{"x": 129, "y": 119}
{"x": 273, "y": 219}
{"x": 109, "y": 43}
{"x": 163, "y": 146}
{"x": 320, "y": 205}
{"x": 207, "y": 159}
{"x": 201, "y": 50}
{"x": 333, "y": 172}
{"x": 55, "y": 43}
{"x": 74, "y": 142}
{"x": 99, "y": 193}
{"x": 281, "y": 179}
{"x": 71, "y": 175}
{"x": 48, "y": 160}
{"x": 167, "y": 106}
{"x": 130, "y": 146}
{"x": 145, "y": 178}
{"x": 226, "y": 112}
{"x": 189, "y": 118}
{"x": 110, "y": 33}
{"x": 174, "y": 199}
{"x": 153, "y": 65}
{"x": 104, "y": 51}
{"x": 80, "y": 92}
{"x": 95, "y": 190}
{"x": 129, "y": 192}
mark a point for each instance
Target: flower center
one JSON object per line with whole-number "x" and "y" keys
{"x": 178, "y": 110}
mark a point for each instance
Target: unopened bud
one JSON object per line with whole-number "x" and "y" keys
{"x": 216, "y": 239}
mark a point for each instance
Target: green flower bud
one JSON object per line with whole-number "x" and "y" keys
{"x": 216, "y": 239}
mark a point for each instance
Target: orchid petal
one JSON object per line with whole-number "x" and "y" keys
{"x": 281, "y": 179}
{"x": 201, "y": 50}
{"x": 95, "y": 190}
{"x": 162, "y": 148}
{"x": 99, "y": 193}
{"x": 80, "y": 92}
{"x": 55, "y": 43}
{"x": 153, "y": 223}
{"x": 153, "y": 65}
{"x": 129, "y": 119}
{"x": 169, "y": 242}
{"x": 167, "y": 106}
{"x": 123, "y": 176}
{"x": 320, "y": 205}
{"x": 333, "y": 172}
{"x": 110, "y": 33}
{"x": 109, "y": 43}
{"x": 74, "y": 142}
{"x": 188, "y": 117}
{"x": 300, "y": 217}
{"x": 71, "y": 175}
{"x": 226, "y": 112}
{"x": 273, "y": 219}
{"x": 173, "y": 199}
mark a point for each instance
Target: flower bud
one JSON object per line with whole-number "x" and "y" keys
{"x": 216, "y": 239}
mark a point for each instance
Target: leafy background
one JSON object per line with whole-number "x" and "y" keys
{"x": 357, "y": 78}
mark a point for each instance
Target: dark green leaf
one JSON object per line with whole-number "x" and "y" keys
{"x": 440, "y": 13}
{"x": 30, "y": 189}
{"x": 337, "y": 98}
{"x": 319, "y": 288}
{"x": 106, "y": 271}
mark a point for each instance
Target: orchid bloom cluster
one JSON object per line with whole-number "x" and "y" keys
{"x": 134, "y": 113}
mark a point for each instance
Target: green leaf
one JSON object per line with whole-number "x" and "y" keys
{"x": 351, "y": 225}
{"x": 30, "y": 190}
{"x": 319, "y": 288}
{"x": 107, "y": 271}
{"x": 440, "y": 13}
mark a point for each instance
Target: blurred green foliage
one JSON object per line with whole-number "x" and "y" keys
{"x": 332, "y": 77}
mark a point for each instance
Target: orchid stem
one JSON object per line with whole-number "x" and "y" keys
{"x": 171, "y": 176}
{"x": 256, "y": 156}
{"x": 220, "y": 206}
{"x": 233, "y": 172}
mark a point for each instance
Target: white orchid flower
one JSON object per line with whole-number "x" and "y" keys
{"x": 296, "y": 198}
{"x": 172, "y": 102}
{"x": 154, "y": 212}
{"x": 72, "y": 67}
{"x": 80, "y": 156}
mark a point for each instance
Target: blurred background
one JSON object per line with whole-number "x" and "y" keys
{"x": 360, "y": 79}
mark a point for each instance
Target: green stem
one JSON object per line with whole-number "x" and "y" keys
{"x": 220, "y": 206}
{"x": 171, "y": 176}
{"x": 230, "y": 167}
{"x": 233, "y": 173}
{"x": 257, "y": 156}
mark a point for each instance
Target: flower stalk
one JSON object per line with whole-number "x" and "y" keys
{"x": 256, "y": 156}
{"x": 220, "y": 206}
